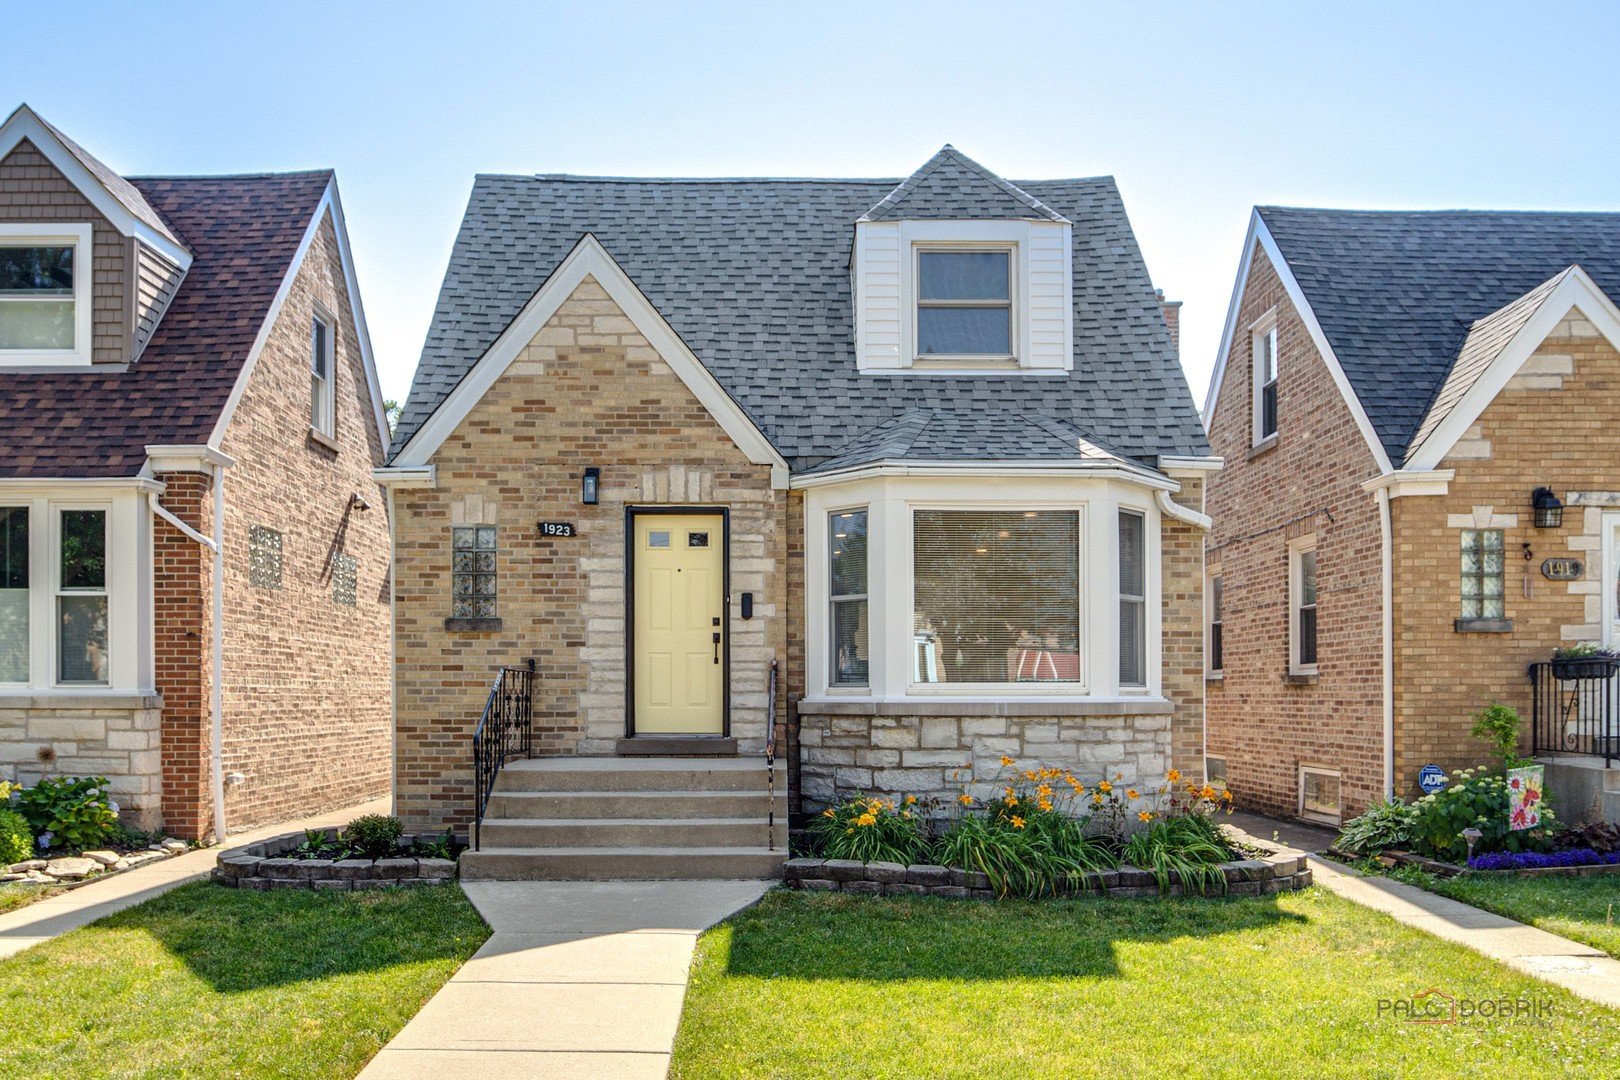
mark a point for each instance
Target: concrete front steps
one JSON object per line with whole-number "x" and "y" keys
{"x": 630, "y": 819}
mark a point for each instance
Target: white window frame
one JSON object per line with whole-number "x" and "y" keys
{"x": 1297, "y": 548}
{"x": 81, "y": 239}
{"x": 834, "y": 599}
{"x": 1211, "y": 669}
{"x": 58, "y": 592}
{"x": 1320, "y": 770}
{"x": 1009, "y": 360}
{"x": 323, "y": 412}
{"x": 891, "y": 500}
{"x": 1263, "y": 332}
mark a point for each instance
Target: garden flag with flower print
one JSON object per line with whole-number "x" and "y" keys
{"x": 1524, "y": 797}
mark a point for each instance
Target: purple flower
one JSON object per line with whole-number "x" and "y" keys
{"x": 1537, "y": 860}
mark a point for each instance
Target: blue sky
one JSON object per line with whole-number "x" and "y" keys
{"x": 1199, "y": 110}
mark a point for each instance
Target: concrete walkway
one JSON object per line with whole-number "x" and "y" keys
{"x": 78, "y": 907}
{"x": 579, "y": 979}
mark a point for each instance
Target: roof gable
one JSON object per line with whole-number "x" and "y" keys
{"x": 951, "y": 185}
{"x": 1397, "y": 293}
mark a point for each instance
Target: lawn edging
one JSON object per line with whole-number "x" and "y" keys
{"x": 260, "y": 866}
{"x": 1282, "y": 870}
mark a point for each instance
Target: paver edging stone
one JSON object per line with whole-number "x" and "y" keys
{"x": 260, "y": 866}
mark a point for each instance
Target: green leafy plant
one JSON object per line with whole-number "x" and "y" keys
{"x": 442, "y": 846}
{"x": 1475, "y": 798}
{"x": 872, "y": 829}
{"x": 16, "y": 838}
{"x": 1584, "y": 650}
{"x": 374, "y": 836}
{"x": 1045, "y": 855}
{"x": 72, "y": 812}
{"x": 1188, "y": 847}
{"x": 1499, "y": 725}
{"x": 318, "y": 844}
{"x": 1384, "y": 825}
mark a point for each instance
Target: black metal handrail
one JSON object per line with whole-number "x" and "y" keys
{"x": 770, "y": 761}
{"x": 504, "y": 731}
{"x": 1575, "y": 709}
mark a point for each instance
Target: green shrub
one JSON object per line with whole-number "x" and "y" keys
{"x": 16, "y": 839}
{"x": 872, "y": 830}
{"x": 1499, "y": 725}
{"x": 442, "y": 846}
{"x": 1385, "y": 825}
{"x": 374, "y": 836}
{"x": 1188, "y": 847}
{"x": 73, "y": 812}
{"x": 1479, "y": 799}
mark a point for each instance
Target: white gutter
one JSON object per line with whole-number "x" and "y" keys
{"x": 168, "y": 515}
{"x": 1386, "y": 572}
{"x": 216, "y": 694}
{"x": 1110, "y": 469}
{"x": 1170, "y": 508}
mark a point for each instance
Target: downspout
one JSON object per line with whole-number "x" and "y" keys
{"x": 1203, "y": 523}
{"x": 1170, "y": 508}
{"x": 216, "y": 696}
{"x": 1386, "y": 572}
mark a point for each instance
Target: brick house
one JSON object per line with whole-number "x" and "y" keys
{"x": 924, "y": 443}
{"x": 193, "y": 553}
{"x": 1394, "y": 394}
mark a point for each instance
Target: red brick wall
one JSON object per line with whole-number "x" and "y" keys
{"x": 182, "y": 576}
{"x": 307, "y": 680}
{"x": 1262, "y": 723}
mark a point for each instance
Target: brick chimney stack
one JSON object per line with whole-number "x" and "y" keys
{"x": 1171, "y": 310}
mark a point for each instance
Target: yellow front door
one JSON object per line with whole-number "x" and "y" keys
{"x": 678, "y": 637}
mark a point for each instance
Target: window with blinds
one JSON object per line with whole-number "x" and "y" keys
{"x": 1132, "y": 599}
{"x": 997, "y": 596}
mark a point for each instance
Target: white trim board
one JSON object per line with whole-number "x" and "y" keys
{"x": 1259, "y": 235}
{"x": 329, "y": 201}
{"x": 26, "y": 124}
{"x": 590, "y": 259}
{"x": 1577, "y": 290}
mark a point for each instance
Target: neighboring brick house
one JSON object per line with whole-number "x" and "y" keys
{"x": 171, "y": 346}
{"x": 1391, "y": 392}
{"x": 926, "y": 443}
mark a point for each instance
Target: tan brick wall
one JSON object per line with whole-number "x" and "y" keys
{"x": 307, "y": 679}
{"x": 32, "y": 190}
{"x": 1553, "y": 425}
{"x": 587, "y": 391}
{"x": 1263, "y": 724}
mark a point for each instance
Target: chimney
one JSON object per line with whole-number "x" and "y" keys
{"x": 1171, "y": 310}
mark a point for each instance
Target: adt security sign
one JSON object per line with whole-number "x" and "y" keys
{"x": 1431, "y": 779}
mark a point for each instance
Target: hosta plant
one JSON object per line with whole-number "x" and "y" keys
{"x": 75, "y": 812}
{"x": 1384, "y": 825}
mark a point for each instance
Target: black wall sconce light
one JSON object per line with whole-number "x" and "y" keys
{"x": 590, "y": 486}
{"x": 1549, "y": 511}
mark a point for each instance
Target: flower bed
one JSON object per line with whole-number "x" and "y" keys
{"x": 1579, "y": 862}
{"x": 1283, "y": 871}
{"x": 64, "y": 831}
{"x": 269, "y": 864}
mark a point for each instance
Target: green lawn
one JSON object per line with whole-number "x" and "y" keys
{"x": 809, "y": 985}
{"x": 1584, "y": 909}
{"x": 206, "y": 981}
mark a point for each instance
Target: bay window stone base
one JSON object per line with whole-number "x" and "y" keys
{"x": 114, "y": 737}
{"x": 850, "y": 748}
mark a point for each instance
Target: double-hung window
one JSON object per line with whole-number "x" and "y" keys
{"x": 846, "y": 544}
{"x": 1217, "y": 636}
{"x": 1265, "y": 384}
{"x": 81, "y": 597}
{"x": 45, "y": 294}
{"x": 1302, "y": 608}
{"x": 1132, "y": 599}
{"x": 322, "y": 395}
{"x": 14, "y": 595}
{"x": 964, "y": 304}
{"x": 997, "y": 596}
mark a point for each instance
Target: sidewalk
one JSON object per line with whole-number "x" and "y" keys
{"x": 78, "y": 907}
{"x": 579, "y": 978}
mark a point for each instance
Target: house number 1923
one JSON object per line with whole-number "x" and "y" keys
{"x": 557, "y": 528}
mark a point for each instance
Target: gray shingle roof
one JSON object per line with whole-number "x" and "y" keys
{"x": 1397, "y": 292}
{"x": 754, "y": 276}
{"x": 952, "y": 186}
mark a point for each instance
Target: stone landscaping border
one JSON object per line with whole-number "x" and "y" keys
{"x": 260, "y": 866}
{"x": 85, "y": 868}
{"x": 1283, "y": 870}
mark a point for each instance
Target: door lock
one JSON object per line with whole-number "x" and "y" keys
{"x": 717, "y": 646}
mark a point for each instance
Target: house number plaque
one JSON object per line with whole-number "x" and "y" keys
{"x": 557, "y": 528}
{"x": 1562, "y": 569}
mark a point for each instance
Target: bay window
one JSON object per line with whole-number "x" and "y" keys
{"x": 81, "y": 599}
{"x": 14, "y": 595}
{"x": 847, "y": 573}
{"x": 1132, "y": 599}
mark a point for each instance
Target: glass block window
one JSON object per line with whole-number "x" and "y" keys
{"x": 345, "y": 576}
{"x": 1482, "y": 573}
{"x": 472, "y": 571}
{"x": 264, "y": 557}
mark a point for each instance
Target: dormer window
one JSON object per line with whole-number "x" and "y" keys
{"x": 44, "y": 294}
{"x": 964, "y": 304}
